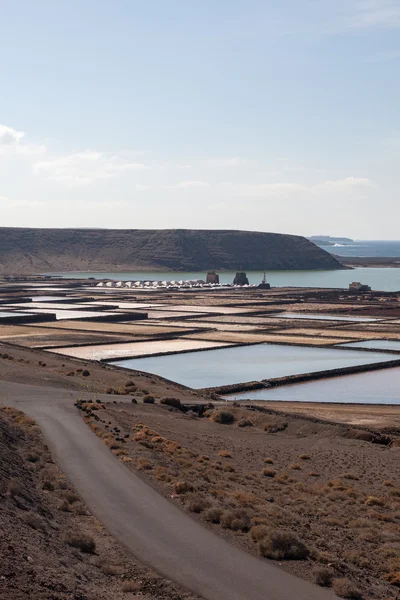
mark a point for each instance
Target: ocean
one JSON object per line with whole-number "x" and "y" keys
{"x": 370, "y": 248}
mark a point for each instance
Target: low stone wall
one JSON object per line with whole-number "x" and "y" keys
{"x": 23, "y": 319}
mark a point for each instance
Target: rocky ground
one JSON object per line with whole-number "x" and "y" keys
{"x": 51, "y": 548}
{"x": 321, "y": 499}
{"x": 37, "y": 367}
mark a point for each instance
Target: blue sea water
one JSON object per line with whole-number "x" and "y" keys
{"x": 370, "y": 248}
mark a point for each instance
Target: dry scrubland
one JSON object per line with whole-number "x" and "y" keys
{"x": 36, "y": 367}
{"x": 323, "y": 500}
{"x": 51, "y": 547}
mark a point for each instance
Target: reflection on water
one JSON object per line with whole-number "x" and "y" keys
{"x": 249, "y": 363}
{"x": 374, "y": 387}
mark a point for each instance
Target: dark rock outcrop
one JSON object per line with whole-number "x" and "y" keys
{"x": 24, "y": 250}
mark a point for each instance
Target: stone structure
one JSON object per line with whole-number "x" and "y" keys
{"x": 356, "y": 286}
{"x": 212, "y": 277}
{"x": 264, "y": 285}
{"x": 240, "y": 278}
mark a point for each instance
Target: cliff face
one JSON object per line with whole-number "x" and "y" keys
{"x": 24, "y": 250}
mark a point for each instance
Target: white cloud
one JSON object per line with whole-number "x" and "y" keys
{"x": 85, "y": 167}
{"x": 376, "y": 13}
{"x": 142, "y": 188}
{"x": 107, "y": 204}
{"x": 10, "y": 136}
{"x": 226, "y": 162}
{"x": 188, "y": 184}
{"x": 20, "y": 203}
{"x": 348, "y": 185}
{"x": 11, "y": 142}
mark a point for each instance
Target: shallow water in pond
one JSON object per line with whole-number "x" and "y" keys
{"x": 6, "y": 314}
{"x": 374, "y": 387}
{"x": 249, "y": 363}
{"x": 374, "y": 345}
{"x": 322, "y": 317}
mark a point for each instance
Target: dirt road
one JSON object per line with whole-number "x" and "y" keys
{"x": 150, "y": 526}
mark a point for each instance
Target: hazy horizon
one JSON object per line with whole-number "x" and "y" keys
{"x": 278, "y": 117}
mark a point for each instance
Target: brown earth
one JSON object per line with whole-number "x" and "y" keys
{"x": 24, "y": 250}
{"x": 51, "y": 548}
{"x": 38, "y": 367}
{"x": 327, "y": 484}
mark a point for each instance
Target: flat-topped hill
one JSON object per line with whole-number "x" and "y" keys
{"x": 26, "y": 250}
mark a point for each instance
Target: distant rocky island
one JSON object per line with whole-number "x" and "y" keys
{"x": 327, "y": 240}
{"x": 28, "y": 250}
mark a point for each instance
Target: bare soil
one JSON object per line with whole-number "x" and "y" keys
{"x": 44, "y": 528}
{"x": 265, "y": 473}
{"x": 37, "y": 367}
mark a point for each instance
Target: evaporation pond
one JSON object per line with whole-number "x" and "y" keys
{"x": 321, "y": 317}
{"x": 249, "y": 363}
{"x": 374, "y": 387}
{"x": 374, "y": 345}
{"x": 6, "y": 315}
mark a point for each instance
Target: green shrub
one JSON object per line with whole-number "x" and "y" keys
{"x": 148, "y": 399}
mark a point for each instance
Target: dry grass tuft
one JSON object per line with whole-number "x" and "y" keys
{"x": 110, "y": 568}
{"x": 350, "y": 476}
{"x": 225, "y": 454}
{"x": 346, "y": 589}
{"x": 283, "y": 545}
{"x": 323, "y": 576}
{"x": 85, "y": 543}
{"x": 143, "y": 464}
{"x": 197, "y": 504}
{"x": 35, "y": 521}
{"x": 223, "y": 417}
{"x": 131, "y": 587}
{"x": 182, "y": 487}
{"x": 237, "y": 520}
{"x": 374, "y": 501}
{"x": 393, "y": 578}
{"x": 213, "y": 515}
{"x": 269, "y": 472}
{"x": 148, "y": 399}
{"x": 268, "y": 461}
{"x": 304, "y": 456}
{"x": 126, "y": 459}
{"x": 174, "y": 402}
{"x": 258, "y": 532}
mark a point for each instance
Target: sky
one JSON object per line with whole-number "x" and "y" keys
{"x": 266, "y": 115}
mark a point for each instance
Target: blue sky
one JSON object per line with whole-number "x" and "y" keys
{"x": 273, "y": 116}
